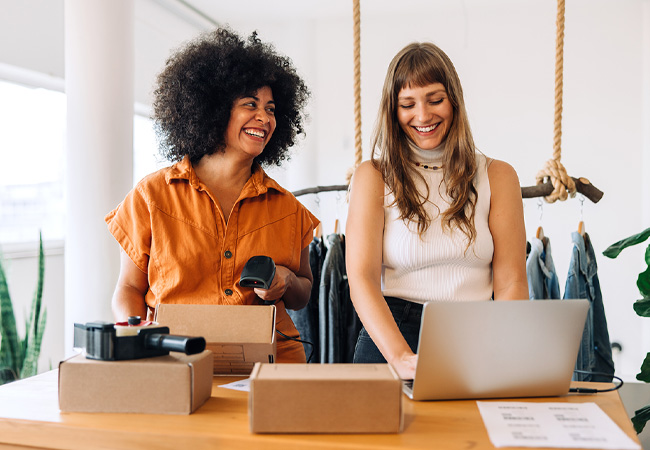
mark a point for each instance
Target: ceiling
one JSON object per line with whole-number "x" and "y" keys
{"x": 222, "y": 11}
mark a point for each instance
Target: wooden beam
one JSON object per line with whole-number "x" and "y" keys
{"x": 583, "y": 186}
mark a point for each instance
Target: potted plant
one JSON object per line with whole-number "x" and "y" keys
{"x": 642, "y": 308}
{"x": 19, "y": 358}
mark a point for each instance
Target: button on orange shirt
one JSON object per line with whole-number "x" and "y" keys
{"x": 174, "y": 231}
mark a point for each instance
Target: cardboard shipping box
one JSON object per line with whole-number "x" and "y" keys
{"x": 325, "y": 398}
{"x": 171, "y": 384}
{"x": 238, "y": 335}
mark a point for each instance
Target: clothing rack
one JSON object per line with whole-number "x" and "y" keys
{"x": 583, "y": 186}
{"x": 318, "y": 189}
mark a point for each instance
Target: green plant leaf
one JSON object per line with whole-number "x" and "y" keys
{"x": 644, "y": 374}
{"x": 643, "y": 283}
{"x": 615, "y": 249}
{"x": 20, "y": 358}
{"x": 641, "y": 416}
{"x": 9, "y": 343}
{"x": 32, "y": 324}
{"x": 642, "y": 307}
{"x": 30, "y": 365}
{"x": 7, "y": 375}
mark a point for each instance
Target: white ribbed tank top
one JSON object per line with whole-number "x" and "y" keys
{"x": 436, "y": 265}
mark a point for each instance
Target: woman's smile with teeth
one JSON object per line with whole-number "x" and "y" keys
{"x": 426, "y": 129}
{"x": 255, "y": 133}
{"x": 425, "y": 114}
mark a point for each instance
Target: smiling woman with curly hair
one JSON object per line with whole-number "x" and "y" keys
{"x": 223, "y": 107}
{"x": 199, "y": 84}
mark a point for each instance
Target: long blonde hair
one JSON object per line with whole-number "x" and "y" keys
{"x": 421, "y": 64}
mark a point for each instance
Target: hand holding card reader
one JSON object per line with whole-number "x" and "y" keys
{"x": 258, "y": 272}
{"x": 101, "y": 340}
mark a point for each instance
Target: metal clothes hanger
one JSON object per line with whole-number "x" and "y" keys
{"x": 540, "y": 231}
{"x": 318, "y": 231}
{"x": 337, "y": 227}
{"x": 581, "y": 225}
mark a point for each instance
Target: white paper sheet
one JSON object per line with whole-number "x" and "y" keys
{"x": 568, "y": 425}
{"x": 241, "y": 385}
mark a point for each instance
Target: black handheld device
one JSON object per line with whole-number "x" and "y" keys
{"x": 259, "y": 272}
{"x": 100, "y": 340}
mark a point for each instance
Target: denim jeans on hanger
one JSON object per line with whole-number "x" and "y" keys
{"x": 407, "y": 315}
{"x": 540, "y": 271}
{"x": 595, "y": 354}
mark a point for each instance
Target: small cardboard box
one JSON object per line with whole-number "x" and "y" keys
{"x": 171, "y": 384}
{"x": 325, "y": 398}
{"x": 238, "y": 335}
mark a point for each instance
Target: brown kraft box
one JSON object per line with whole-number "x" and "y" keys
{"x": 238, "y": 335}
{"x": 325, "y": 398}
{"x": 171, "y": 384}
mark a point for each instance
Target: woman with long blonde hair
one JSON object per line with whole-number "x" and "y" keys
{"x": 430, "y": 217}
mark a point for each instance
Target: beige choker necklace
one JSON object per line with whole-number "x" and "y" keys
{"x": 427, "y": 166}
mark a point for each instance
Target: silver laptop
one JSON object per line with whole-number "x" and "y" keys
{"x": 502, "y": 349}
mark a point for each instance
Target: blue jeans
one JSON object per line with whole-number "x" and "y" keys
{"x": 407, "y": 315}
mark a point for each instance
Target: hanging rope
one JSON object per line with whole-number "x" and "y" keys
{"x": 559, "y": 80}
{"x": 358, "y": 149}
{"x": 553, "y": 183}
{"x": 563, "y": 184}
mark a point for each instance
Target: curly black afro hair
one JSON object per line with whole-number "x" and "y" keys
{"x": 196, "y": 91}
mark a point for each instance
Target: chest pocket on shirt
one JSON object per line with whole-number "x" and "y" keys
{"x": 269, "y": 230}
{"x": 183, "y": 252}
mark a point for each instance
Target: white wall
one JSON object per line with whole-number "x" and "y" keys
{"x": 31, "y": 33}
{"x": 504, "y": 52}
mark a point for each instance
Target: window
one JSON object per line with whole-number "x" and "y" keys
{"x": 146, "y": 158}
{"x": 32, "y": 151}
{"x": 32, "y": 155}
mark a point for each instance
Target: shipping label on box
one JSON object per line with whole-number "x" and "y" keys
{"x": 325, "y": 398}
{"x": 171, "y": 384}
{"x": 238, "y": 335}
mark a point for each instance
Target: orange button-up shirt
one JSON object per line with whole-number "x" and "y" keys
{"x": 176, "y": 233}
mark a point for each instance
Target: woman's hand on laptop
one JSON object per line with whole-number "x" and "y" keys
{"x": 405, "y": 366}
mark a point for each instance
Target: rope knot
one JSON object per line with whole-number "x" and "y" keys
{"x": 563, "y": 184}
{"x": 350, "y": 173}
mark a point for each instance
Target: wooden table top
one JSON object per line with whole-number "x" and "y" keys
{"x": 30, "y": 417}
